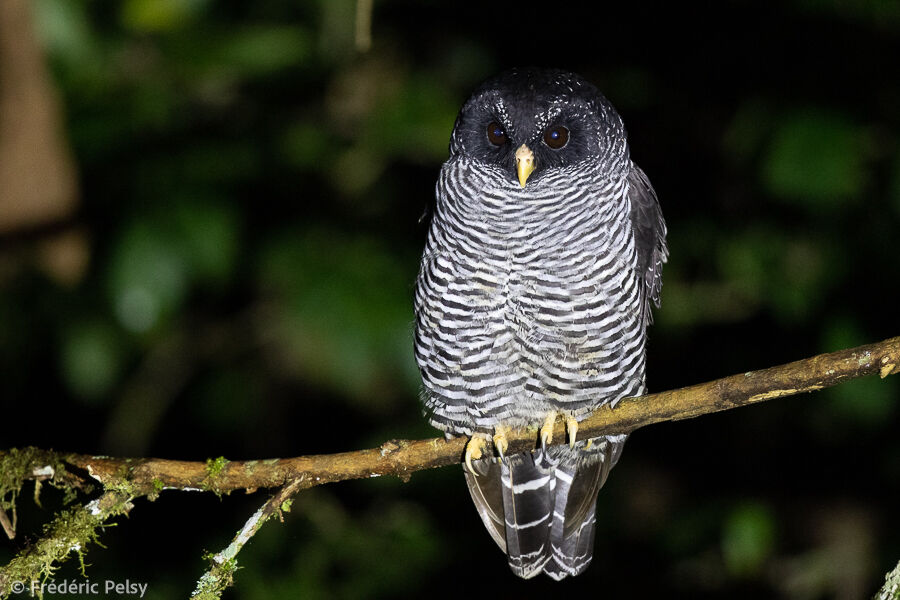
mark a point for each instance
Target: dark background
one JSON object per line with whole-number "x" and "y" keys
{"x": 249, "y": 191}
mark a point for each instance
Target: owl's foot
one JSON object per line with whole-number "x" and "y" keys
{"x": 478, "y": 442}
{"x": 547, "y": 429}
{"x": 500, "y": 441}
{"x": 474, "y": 450}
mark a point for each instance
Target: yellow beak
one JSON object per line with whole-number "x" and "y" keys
{"x": 524, "y": 163}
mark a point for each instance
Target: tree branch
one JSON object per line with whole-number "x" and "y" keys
{"x": 71, "y": 531}
{"x": 404, "y": 457}
{"x": 124, "y": 479}
{"x": 9, "y": 527}
{"x": 221, "y": 572}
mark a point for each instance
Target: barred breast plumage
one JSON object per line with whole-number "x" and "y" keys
{"x": 533, "y": 298}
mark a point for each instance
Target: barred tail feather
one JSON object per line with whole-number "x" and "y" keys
{"x": 573, "y": 550}
{"x": 515, "y": 500}
{"x": 540, "y": 507}
{"x": 574, "y": 515}
{"x": 529, "y": 486}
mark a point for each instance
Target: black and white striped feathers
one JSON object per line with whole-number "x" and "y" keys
{"x": 533, "y": 298}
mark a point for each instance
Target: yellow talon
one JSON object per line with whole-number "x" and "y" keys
{"x": 500, "y": 441}
{"x": 474, "y": 451}
{"x": 547, "y": 430}
{"x": 571, "y": 429}
{"x": 550, "y": 422}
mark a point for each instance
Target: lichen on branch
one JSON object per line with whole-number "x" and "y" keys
{"x": 70, "y": 532}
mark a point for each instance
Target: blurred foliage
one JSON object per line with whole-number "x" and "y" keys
{"x": 748, "y": 539}
{"x": 334, "y": 557}
{"x": 90, "y": 359}
{"x": 343, "y": 313}
{"x": 816, "y": 158}
{"x": 252, "y": 186}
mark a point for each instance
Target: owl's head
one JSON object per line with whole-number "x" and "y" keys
{"x": 527, "y": 123}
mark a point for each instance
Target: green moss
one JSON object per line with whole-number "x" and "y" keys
{"x": 71, "y": 531}
{"x": 18, "y": 465}
{"x": 15, "y": 466}
{"x": 214, "y": 468}
{"x": 158, "y": 486}
{"x": 125, "y": 486}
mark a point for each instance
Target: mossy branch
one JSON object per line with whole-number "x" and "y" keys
{"x": 124, "y": 479}
{"x": 70, "y": 532}
{"x": 891, "y": 588}
{"x": 223, "y": 564}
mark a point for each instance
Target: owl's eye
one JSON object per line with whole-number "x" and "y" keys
{"x": 496, "y": 134}
{"x": 556, "y": 137}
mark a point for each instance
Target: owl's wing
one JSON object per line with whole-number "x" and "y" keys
{"x": 488, "y": 497}
{"x": 649, "y": 235}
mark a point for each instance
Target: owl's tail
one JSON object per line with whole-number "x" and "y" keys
{"x": 540, "y": 507}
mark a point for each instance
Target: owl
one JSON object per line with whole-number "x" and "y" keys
{"x": 543, "y": 257}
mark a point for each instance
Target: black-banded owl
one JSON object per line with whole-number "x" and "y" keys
{"x": 543, "y": 256}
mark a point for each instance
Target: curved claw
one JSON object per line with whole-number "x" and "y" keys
{"x": 547, "y": 430}
{"x": 572, "y": 430}
{"x": 474, "y": 451}
{"x": 500, "y": 441}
